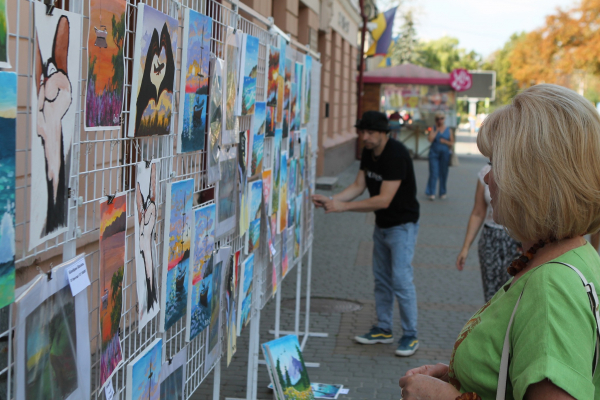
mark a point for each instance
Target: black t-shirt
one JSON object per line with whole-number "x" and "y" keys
{"x": 393, "y": 164}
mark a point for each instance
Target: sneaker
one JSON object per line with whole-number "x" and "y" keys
{"x": 443, "y": 197}
{"x": 431, "y": 198}
{"x": 408, "y": 346}
{"x": 375, "y": 335}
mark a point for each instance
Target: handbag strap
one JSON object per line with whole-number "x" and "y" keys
{"x": 505, "y": 360}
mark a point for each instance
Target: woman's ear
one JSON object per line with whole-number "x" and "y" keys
{"x": 60, "y": 49}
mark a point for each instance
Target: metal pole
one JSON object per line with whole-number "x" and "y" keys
{"x": 361, "y": 68}
{"x": 298, "y": 296}
{"x": 277, "y": 312}
{"x": 307, "y": 315}
{"x": 217, "y": 381}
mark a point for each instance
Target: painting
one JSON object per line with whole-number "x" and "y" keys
{"x": 106, "y": 65}
{"x": 198, "y": 313}
{"x": 113, "y": 228}
{"x": 274, "y": 385}
{"x": 255, "y": 196}
{"x": 292, "y": 178}
{"x": 226, "y": 195}
{"x": 153, "y": 73}
{"x": 8, "y": 131}
{"x": 307, "y": 88}
{"x": 57, "y": 65}
{"x": 193, "y": 93}
{"x": 245, "y": 297}
{"x": 270, "y": 128}
{"x": 298, "y": 225}
{"x": 287, "y": 96}
{"x": 215, "y": 120}
{"x": 298, "y": 76}
{"x": 172, "y": 377}
{"x": 242, "y": 180}
{"x": 176, "y": 252}
{"x": 4, "y": 62}
{"x": 276, "y": 170}
{"x": 293, "y": 107}
{"x": 290, "y": 370}
{"x": 302, "y": 173}
{"x": 146, "y": 212}
{"x": 259, "y": 119}
{"x": 282, "y": 193}
{"x": 256, "y": 161}
{"x": 326, "y": 390}
{"x": 292, "y": 145}
{"x": 273, "y": 75}
{"x": 233, "y": 42}
{"x": 280, "y": 94}
{"x": 52, "y": 339}
{"x": 143, "y": 373}
{"x": 250, "y": 72}
{"x": 291, "y": 201}
{"x": 213, "y": 350}
{"x": 267, "y": 180}
{"x": 231, "y": 297}
{"x": 284, "y": 254}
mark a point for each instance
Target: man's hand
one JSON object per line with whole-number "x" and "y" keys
{"x": 319, "y": 200}
{"x": 330, "y": 205}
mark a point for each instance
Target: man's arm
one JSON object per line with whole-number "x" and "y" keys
{"x": 350, "y": 193}
{"x": 381, "y": 201}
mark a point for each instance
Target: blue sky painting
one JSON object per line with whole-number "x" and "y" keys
{"x": 146, "y": 373}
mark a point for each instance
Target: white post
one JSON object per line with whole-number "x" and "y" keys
{"x": 217, "y": 381}
{"x": 298, "y": 296}
{"x": 277, "y": 312}
{"x": 307, "y": 316}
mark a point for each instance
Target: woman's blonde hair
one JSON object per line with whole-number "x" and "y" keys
{"x": 440, "y": 114}
{"x": 545, "y": 152}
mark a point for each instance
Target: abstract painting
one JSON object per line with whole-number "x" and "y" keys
{"x": 231, "y": 296}
{"x": 143, "y": 373}
{"x": 226, "y": 195}
{"x": 273, "y": 75}
{"x": 250, "y": 72}
{"x": 256, "y": 160}
{"x": 172, "y": 377}
{"x": 267, "y": 180}
{"x": 233, "y": 42}
{"x": 106, "y": 66}
{"x": 176, "y": 252}
{"x": 8, "y": 126}
{"x": 299, "y": 76}
{"x": 52, "y": 339}
{"x": 151, "y": 105}
{"x": 287, "y": 96}
{"x": 259, "y": 118}
{"x": 282, "y": 193}
{"x": 298, "y": 225}
{"x": 146, "y": 214}
{"x": 57, "y": 65}
{"x": 4, "y": 63}
{"x": 276, "y": 170}
{"x": 113, "y": 227}
{"x": 213, "y": 350}
{"x": 215, "y": 120}
{"x": 307, "y": 87}
{"x": 245, "y": 298}
{"x": 270, "y": 129}
{"x": 193, "y": 93}
{"x": 290, "y": 370}
{"x": 198, "y": 313}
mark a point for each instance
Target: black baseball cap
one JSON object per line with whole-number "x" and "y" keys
{"x": 373, "y": 121}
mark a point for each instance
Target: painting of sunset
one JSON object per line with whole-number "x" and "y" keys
{"x": 273, "y": 77}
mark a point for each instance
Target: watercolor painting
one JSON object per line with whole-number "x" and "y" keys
{"x": 106, "y": 65}
{"x": 113, "y": 228}
{"x": 273, "y": 75}
{"x": 176, "y": 252}
{"x": 256, "y": 162}
{"x": 255, "y": 195}
{"x": 270, "y": 128}
{"x": 283, "y": 193}
{"x": 231, "y": 297}
{"x": 326, "y": 390}
{"x": 290, "y": 370}
{"x": 153, "y": 74}
{"x": 293, "y": 107}
{"x": 307, "y": 88}
{"x": 284, "y": 253}
{"x": 250, "y": 67}
{"x": 298, "y": 225}
{"x": 276, "y": 170}
{"x": 4, "y": 62}
{"x": 213, "y": 350}
{"x": 226, "y": 195}
{"x": 172, "y": 377}
{"x": 259, "y": 118}
{"x": 245, "y": 297}
{"x": 280, "y": 95}
{"x": 57, "y": 65}
{"x": 233, "y": 42}
{"x": 215, "y": 127}
{"x": 267, "y": 180}
{"x": 253, "y": 237}
{"x": 287, "y": 97}
{"x": 8, "y": 126}
{"x": 143, "y": 373}
{"x": 146, "y": 264}
{"x": 299, "y": 79}
{"x": 198, "y": 313}
{"x": 193, "y": 93}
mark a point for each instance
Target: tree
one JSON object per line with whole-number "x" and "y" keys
{"x": 279, "y": 375}
{"x": 118, "y": 35}
{"x": 405, "y": 47}
{"x": 444, "y": 55}
{"x": 116, "y": 283}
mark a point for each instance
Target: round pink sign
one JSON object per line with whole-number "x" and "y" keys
{"x": 460, "y": 79}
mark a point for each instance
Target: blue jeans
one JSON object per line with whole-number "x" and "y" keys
{"x": 439, "y": 161}
{"x": 393, "y": 250}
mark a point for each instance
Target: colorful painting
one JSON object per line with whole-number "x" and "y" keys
{"x": 226, "y": 196}
{"x": 294, "y": 107}
{"x": 299, "y": 76}
{"x": 4, "y": 63}
{"x": 215, "y": 119}
{"x": 255, "y": 195}
{"x": 256, "y": 162}
{"x": 273, "y": 75}
{"x": 293, "y": 138}
{"x": 172, "y": 377}
{"x": 274, "y": 385}
{"x": 193, "y": 93}
{"x": 290, "y": 370}
{"x": 143, "y": 373}
{"x": 233, "y": 43}
{"x": 276, "y": 170}
{"x": 302, "y": 173}
{"x": 259, "y": 118}
{"x": 213, "y": 350}
{"x": 242, "y": 179}
{"x": 253, "y": 237}
{"x": 176, "y": 253}
{"x": 113, "y": 228}
{"x": 57, "y": 65}
{"x": 326, "y": 390}
{"x": 283, "y": 193}
{"x": 291, "y": 201}
{"x": 52, "y": 342}
{"x": 284, "y": 254}
{"x": 280, "y": 94}
{"x": 307, "y": 88}
{"x": 267, "y": 180}
{"x": 270, "y": 129}
{"x": 106, "y": 66}
{"x": 8, "y": 126}
{"x": 298, "y": 225}
{"x": 146, "y": 213}
{"x": 287, "y": 96}
{"x": 231, "y": 297}
{"x": 250, "y": 67}
{"x": 153, "y": 74}
{"x": 198, "y": 312}
{"x": 292, "y": 178}
{"x": 246, "y": 288}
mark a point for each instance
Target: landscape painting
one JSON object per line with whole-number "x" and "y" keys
{"x": 270, "y": 129}
{"x": 198, "y": 313}
{"x": 253, "y": 237}
{"x": 215, "y": 120}
{"x": 231, "y": 297}
{"x": 245, "y": 297}
{"x": 4, "y": 63}
{"x": 105, "y": 79}
{"x": 256, "y": 162}
{"x": 293, "y": 107}
{"x": 250, "y": 73}
{"x": 307, "y": 86}
{"x": 8, "y": 131}
{"x": 255, "y": 195}
{"x": 172, "y": 377}
{"x": 113, "y": 228}
{"x": 153, "y": 80}
{"x": 280, "y": 95}
{"x": 282, "y": 193}
{"x": 176, "y": 253}
{"x": 274, "y": 385}
{"x": 259, "y": 119}
{"x": 326, "y": 391}
{"x": 143, "y": 373}
{"x": 299, "y": 79}
{"x": 267, "y": 180}
{"x": 232, "y": 65}
{"x": 273, "y": 75}
{"x": 276, "y": 170}
{"x": 193, "y": 93}
{"x": 287, "y": 96}
{"x": 226, "y": 195}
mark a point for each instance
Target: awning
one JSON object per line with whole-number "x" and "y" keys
{"x": 407, "y": 74}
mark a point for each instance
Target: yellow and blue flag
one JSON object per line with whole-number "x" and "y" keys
{"x": 382, "y": 34}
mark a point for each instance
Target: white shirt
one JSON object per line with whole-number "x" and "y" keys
{"x": 489, "y": 219}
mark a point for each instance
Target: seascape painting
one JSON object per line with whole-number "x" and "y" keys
{"x": 232, "y": 65}
{"x": 215, "y": 120}
{"x": 113, "y": 228}
{"x": 250, "y": 68}
{"x": 143, "y": 373}
{"x": 176, "y": 252}
{"x": 299, "y": 79}
{"x": 154, "y": 73}
{"x": 256, "y": 162}
{"x": 193, "y": 94}
{"x": 259, "y": 119}
{"x": 273, "y": 75}
{"x": 106, "y": 65}
{"x": 270, "y": 123}
{"x": 173, "y": 377}
{"x": 253, "y": 238}
{"x": 57, "y": 49}
{"x": 226, "y": 195}
{"x": 283, "y": 210}
{"x": 4, "y": 62}
{"x": 307, "y": 88}
{"x": 198, "y": 313}
{"x": 276, "y": 170}
{"x": 255, "y": 195}
{"x": 246, "y": 289}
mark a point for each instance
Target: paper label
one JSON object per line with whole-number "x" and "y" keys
{"x": 344, "y": 391}
{"x": 109, "y": 392}
{"x": 78, "y": 276}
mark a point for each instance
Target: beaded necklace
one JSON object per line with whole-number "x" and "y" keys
{"x": 520, "y": 262}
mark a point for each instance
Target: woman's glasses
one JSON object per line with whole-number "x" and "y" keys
{"x": 440, "y": 119}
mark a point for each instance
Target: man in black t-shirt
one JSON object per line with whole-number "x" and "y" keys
{"x": 386, "y": 169}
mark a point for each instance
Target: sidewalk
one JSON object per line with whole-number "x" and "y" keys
{"x": 342, "y": 269}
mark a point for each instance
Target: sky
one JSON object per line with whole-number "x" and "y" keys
{"x": 251, "y": 54}
{"x": 8, "y": 95}
{"x": 480, "y": 25}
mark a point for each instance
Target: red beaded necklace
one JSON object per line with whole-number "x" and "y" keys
{"x": 520, "y": 262}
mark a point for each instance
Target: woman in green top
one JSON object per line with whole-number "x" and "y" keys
{"x": 544, "y": 150}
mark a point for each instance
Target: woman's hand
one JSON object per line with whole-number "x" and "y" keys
{"x": 424, "y": 387}
{"x": 462, "y": 258}
{"x": 438, "y": 370}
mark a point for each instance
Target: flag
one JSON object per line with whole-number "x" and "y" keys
{"x": 382, "y": 34}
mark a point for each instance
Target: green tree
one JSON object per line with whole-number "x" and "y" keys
{"x": 116, "y": 283}
{"x": 405, "y": 47}
{"x": 279, "y": 375}
{"x": 444, "y": 55}
{"x": 288, "y": 381}
{"x": 118, "y": 35}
